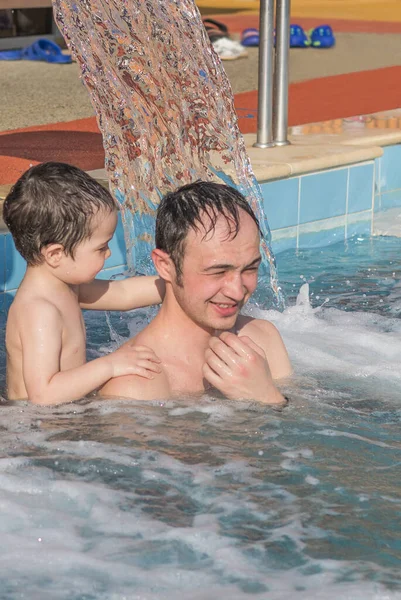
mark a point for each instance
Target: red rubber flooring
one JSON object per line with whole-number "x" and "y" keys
{"x": 80, "y": 143}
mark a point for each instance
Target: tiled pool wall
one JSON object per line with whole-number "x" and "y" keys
{"x": 309, "y": 210}
{"x": 317, "y": 209}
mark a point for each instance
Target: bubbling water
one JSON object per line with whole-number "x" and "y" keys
{"x": 207, "y": 498}
{"x": 165, "y": 108}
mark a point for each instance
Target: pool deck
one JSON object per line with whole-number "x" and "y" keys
{"x": 325, "y": 84}
{"x": 315, "y": 147}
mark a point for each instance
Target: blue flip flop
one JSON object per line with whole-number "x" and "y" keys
{"x": 298, "y": 37}
{"x": 11, "y": 55}
{"x": 250, "y": 37}
{"x": 322, "y": 37}
{"x": 45, "y": 50}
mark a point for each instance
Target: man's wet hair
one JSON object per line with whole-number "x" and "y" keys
{"x": 53, "y": 203}
{"x": 185, "y": 209}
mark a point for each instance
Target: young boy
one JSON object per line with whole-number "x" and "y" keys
{"x": 62, "y": 221}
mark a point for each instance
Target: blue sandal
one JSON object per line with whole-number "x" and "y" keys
{"x": 250, "y": 37}
{"x": 11, "y": 55}
{"x": 47, "y": 51}
{"x": 322, "y": 37}
{"x": 298, "y": 37}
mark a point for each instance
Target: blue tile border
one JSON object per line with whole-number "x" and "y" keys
{"x": 309, "y": 210}
{"x": 5, "y": 300}
{"x": 387, "y": 178}
{"x": 390, "y": 199}
{"x": 359, "y": 228}
{"x": 280, "y": 202}
{"x": 316, "y": 239}
{"x": 377, "y": 203}
{"x": 284, "y": 243}
{"x": 360, "y": 188}
{"x": 377, "y": 174}
{"x": 351, "y": 207}
{"x": 323, "y": 195}
{"x": 15, "y": 265}
{"x": 2, "y": 262}
{"x": 390, "y": 172}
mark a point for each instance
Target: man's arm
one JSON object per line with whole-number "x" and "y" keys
{"x": 46, "y": 384}
{"x": 127, "y": 294}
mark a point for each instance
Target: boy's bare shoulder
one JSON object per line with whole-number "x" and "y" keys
{"x": 35, "y": 301}
{"x": 28, "y": 308}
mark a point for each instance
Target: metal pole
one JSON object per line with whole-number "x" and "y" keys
{"x": 264, "y": 137}
{"x": 280, "y": 93}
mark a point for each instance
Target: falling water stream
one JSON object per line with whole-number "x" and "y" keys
{"x": 165, "y": 108}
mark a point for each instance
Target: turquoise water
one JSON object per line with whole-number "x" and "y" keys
{"x": 208, "y": 499}
{"x": 363, "y": 274}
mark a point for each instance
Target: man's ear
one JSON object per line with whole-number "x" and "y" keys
{"x": 53, "y": 254}
{"x": 163, "y": 264}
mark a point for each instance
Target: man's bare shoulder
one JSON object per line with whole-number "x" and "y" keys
{"x": 136, "y": 387}
{"x": 261, "y": 328}
{"x": 267, "y": 336}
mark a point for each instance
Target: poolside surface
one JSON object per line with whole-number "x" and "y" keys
{"x": 45, "y": 111}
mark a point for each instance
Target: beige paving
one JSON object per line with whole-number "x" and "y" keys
{"x": 353, "y": 52}
{"x": 35, "y": 93}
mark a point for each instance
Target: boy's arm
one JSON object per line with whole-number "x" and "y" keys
{"x": 41, "y": 341}
{"x": 127, "y": 294}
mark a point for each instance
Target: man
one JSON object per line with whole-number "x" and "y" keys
{"x": 207, "y": 252}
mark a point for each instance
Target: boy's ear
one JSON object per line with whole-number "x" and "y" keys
{"x": 163, "y": 264}
{"x": 53, "y": 253}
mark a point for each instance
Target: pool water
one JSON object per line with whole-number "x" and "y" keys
{"x": 209, "y": 499}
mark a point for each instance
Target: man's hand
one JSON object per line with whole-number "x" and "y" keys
{"x": 134, "y": 360}
{"x": 238, "y": 368}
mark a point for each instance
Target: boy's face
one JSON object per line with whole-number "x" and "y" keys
{"x": 91, "y": 254}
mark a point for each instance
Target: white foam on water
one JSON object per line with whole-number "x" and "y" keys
{"x": 215, "y": 499}
{"x": 327, "y": 340}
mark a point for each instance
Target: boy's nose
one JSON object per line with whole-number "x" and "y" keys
{"x": 108, "y": 253}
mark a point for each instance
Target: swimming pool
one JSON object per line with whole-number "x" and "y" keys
{"x": 125, "y": 500}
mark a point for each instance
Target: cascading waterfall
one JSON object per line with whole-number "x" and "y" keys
{"x": 165, "y": 109}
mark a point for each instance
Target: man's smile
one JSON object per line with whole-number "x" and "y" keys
{"x": 226, "y": 309}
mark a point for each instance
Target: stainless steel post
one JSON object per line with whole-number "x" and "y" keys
{"x": 264, "y": 137}
{"x": 280, "y": 93}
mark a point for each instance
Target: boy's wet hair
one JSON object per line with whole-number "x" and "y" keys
{"x": 185, "y": 209}
{"x": 53, "y": 203}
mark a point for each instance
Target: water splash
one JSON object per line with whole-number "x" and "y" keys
{"x": 165, "y": 108}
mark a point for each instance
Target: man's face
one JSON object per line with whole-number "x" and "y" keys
{"x": 219, "y": 273}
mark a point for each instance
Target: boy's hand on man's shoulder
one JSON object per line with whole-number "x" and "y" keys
{"x": 134, "y": 360}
